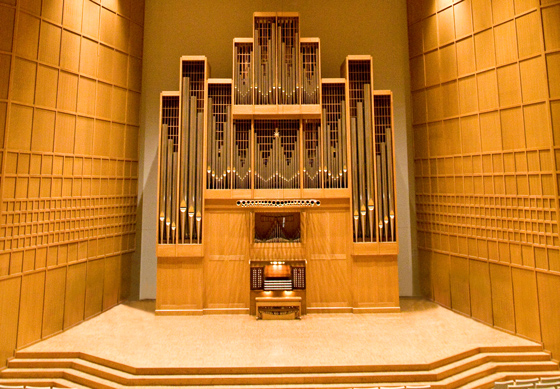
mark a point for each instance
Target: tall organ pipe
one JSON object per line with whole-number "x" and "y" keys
{"x": 385, "y": 190}
{"x": 198, "y": 206}
{"x": 174, "y": 200}
{"x": 192, "y": 164}
{"x": 379, "y": 196}
{"x": 325, "y": 147}
{"x": 343, "y": 146}
{"x": 369, "y": 159}
{"x": 185, "y": 99}
{"x": 163, "y": 181}
{"x": 355, "y": 205}
{"x": 389, "y": 142}
{"x": 169, "y": 187}
{"x": 227, "y": 143}
{"x": 210, "y": 146}
{"x": 361, "y": 161}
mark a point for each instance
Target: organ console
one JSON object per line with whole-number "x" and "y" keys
{"x": 277, "y": 175}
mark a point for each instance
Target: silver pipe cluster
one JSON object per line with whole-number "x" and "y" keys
{"x": 278, "y": 203}
{"x": 335, "y": 169}
{"x": 243, "y": 73}
{"x": 312, "y": 154}
{"x": 265, "y": 61}
{"x": 277, "y": 63}
{"x": 242, "y": 154}
{"x": 310, "y": 73}
{"x": 277, "y": 154}
{"x": 288, "y": 60}
{"x": 192, "y": 129}
{"x": 219, "y": 169}
{"x": 363, "y": 185}
{"x": 168, "y": 169}
{"x": 168, "y": 198}
{"x": 383, "y": 131}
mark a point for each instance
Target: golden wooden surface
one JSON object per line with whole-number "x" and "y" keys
{"x": 375, "y": 282}
{"x": 31, "y": 309}
{"x": 9, "y": 309}
{"x": 526, "y": 303}
{"x": 53, "y": 315}
{"x": 493, "y": 200}
{"x": 214, "y": 275}
{"x": 550, "y": 316}
{"x": 94, "y": 287}
{"x": 68, "y": 159}
{"x": 459, "y": 284}
{"x": 220, "y": 278}
{"x": 502, "y": 297}
{"x": 180, "y": 284}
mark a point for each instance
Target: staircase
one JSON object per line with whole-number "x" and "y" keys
{"x": 477, "y": 368}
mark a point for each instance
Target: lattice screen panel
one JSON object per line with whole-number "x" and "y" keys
{"x": 220, "y": 168}
{"x": 277, "y": 154}
{"x": 243, "y": 73}
{"x": 242, "y": 154}
{"x": 335, "y": 168}
{"x": 312, "y": 172}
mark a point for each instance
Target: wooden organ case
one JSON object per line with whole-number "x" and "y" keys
{"x": 276, "y": 177}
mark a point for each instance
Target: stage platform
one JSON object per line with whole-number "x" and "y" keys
{"x": 131, "y": 346}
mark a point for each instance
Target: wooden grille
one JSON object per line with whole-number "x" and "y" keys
{"x": 366, "y": 218}
{"x": 242, "y": 154}
{"x": 277, "y": 154}
{"x": 335, "y": 168}
{"x": 219, "y": 137}
{"x": 169, "y": 144}
{"x": 310, "y": 78}
{"x": 311, "y": 154}
{"x": 243, "y": 73}
{"x": 288, "y": 60}
{"x": 384, "y": 149}
{"x": 265, "y": 69}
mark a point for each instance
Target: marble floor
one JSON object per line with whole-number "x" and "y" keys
{"x": 133, "y": 335}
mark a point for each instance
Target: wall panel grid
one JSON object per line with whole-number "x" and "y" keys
{"x": 486, "y": 122}
{"x": 70, "y": 76}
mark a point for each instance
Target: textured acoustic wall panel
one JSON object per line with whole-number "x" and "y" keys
{"x": 69, "y": 106}
{"x": 486, "y": 123}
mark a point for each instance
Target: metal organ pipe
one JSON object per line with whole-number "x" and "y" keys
{"x": 163, "y": 182}
{"x": 389, "y": 144}
{"x": 174, "y": 200}
{"x": 169, "y": 187}
{"x": 210, "y": 146}
{"x": 334, "y": 167}
{"x": 277, "y": 69}
{"x": 379, "y": 196}
{"x": 343, "y": 145}
{"x": 227, "y": 145}
{"x": 192, "y": 164}
{"x": 355, "y": 205}
{"x": 325, "y": 146}
{"x": 183, "y": 166}
{"x": 369, "y": 159}
{"x": 361, "y": 162}
{"x": 243, "y": 87}
{"x": 384, "y": 192}
{"x": 199, "y": 181}
{"x": 185, "y": 122}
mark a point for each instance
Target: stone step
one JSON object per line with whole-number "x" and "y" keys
{"x": 101, "y": 377}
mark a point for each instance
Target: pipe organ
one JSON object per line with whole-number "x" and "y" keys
{"x": 276, "y": 135}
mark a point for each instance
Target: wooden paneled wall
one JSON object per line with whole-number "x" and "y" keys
{"x": 486, "y": 101}
{"x": 70, "y": 76}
